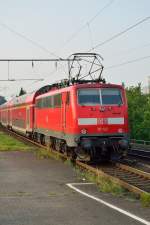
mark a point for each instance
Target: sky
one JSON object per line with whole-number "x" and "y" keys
{"x": 50, "y": 29}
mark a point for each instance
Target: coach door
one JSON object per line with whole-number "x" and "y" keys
{"x": 10, "y": 117}
{"x": 65, "y": 108}
{"x": 28, "y": 118}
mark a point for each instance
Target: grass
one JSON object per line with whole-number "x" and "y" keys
{"x": 104, "y": 184}
{"x": 47, "y": 153}
{"x": 145, "y": 199}
{"x": 8, "y": 143}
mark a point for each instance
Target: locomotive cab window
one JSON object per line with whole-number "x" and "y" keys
{"x": 111, "y": 96}
{"x": 47, "y": 102}
{"x": 97, "y": 96}
{"x": 88, "y": 97}
{"x": 68, "y": 98}
{"x": 57, "y": 101}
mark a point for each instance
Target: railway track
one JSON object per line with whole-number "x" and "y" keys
{"x": 140, "y": 150}
{"x": 140, "y": 153}
{"x": 133, "y": 179}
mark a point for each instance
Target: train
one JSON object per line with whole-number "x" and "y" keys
{"x": 87, "y": 120}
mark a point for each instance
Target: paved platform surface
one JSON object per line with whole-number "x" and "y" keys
{"x": 34, "y": 192}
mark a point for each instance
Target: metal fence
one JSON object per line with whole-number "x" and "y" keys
{"x": 140, "y": 142}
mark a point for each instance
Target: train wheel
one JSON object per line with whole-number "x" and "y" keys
{"x": 65, "y": 149}
{"x": 42, "y": 139}
{"x": 81, "y": 154}
{"x": 58, "y": 145}
{"x": 35, "y": 136}
{"x": 73, "y": 156}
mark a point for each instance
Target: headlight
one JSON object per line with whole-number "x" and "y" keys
{"x": 83, "y": 131}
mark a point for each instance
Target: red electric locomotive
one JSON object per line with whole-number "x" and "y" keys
{"x": 87, "y": 118}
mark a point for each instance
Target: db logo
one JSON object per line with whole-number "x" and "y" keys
{"x": 102, "y": 121}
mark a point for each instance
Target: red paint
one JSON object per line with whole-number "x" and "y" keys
{"x": 65, "y": 119}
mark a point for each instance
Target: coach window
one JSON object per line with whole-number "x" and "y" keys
{"x": 50, "y": 102}
{"x": 46, "y": 102}
{"x": 68, "y": 98}
{"x": 38, "y": 103}
{"x": 43, "y": 102}
{"x": 57, "y": 101}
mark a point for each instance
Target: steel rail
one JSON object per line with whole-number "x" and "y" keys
{"x": 140, "y": 156}
{"x": 140, "y": 152}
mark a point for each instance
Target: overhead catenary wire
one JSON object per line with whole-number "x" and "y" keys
{"x": 10, "y": 29}
{"x": 119, "y": 34}
{"x": 75, "y": 34}
{"x": 130, "y": 50}
{"x": 38, "y": 45}
{"x": 115, "y": 36}
{"x": 35, "y": 43}
{"x": 128, "y": 62}
{"x": 42, "y": 47}
{"x": 90, "y": 34}
{"x": 28, "y": 60}
{"x": 34, "y": 60}
{"x": 23, "y": 79}
{"x": 51, "y": 73}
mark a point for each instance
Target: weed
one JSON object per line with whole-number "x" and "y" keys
{"x": 132, "y": 196}
{"x": 8, "y": 143}
{"x": 46, "y": 153}
{"x": 68, "y": 162}
{"x": 104, "y": 184}
{"x": 52, "y": 194}
{"x": 145, "y": 199}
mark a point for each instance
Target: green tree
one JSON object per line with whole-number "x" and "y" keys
{"x": 137, "y": 107}
{"x": 145, "y": 126}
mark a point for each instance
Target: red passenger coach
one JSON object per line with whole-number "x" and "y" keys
{"x": 18, "y": 113}
{"x": 21, "y": 114}
{"x": 4, "y": 114}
